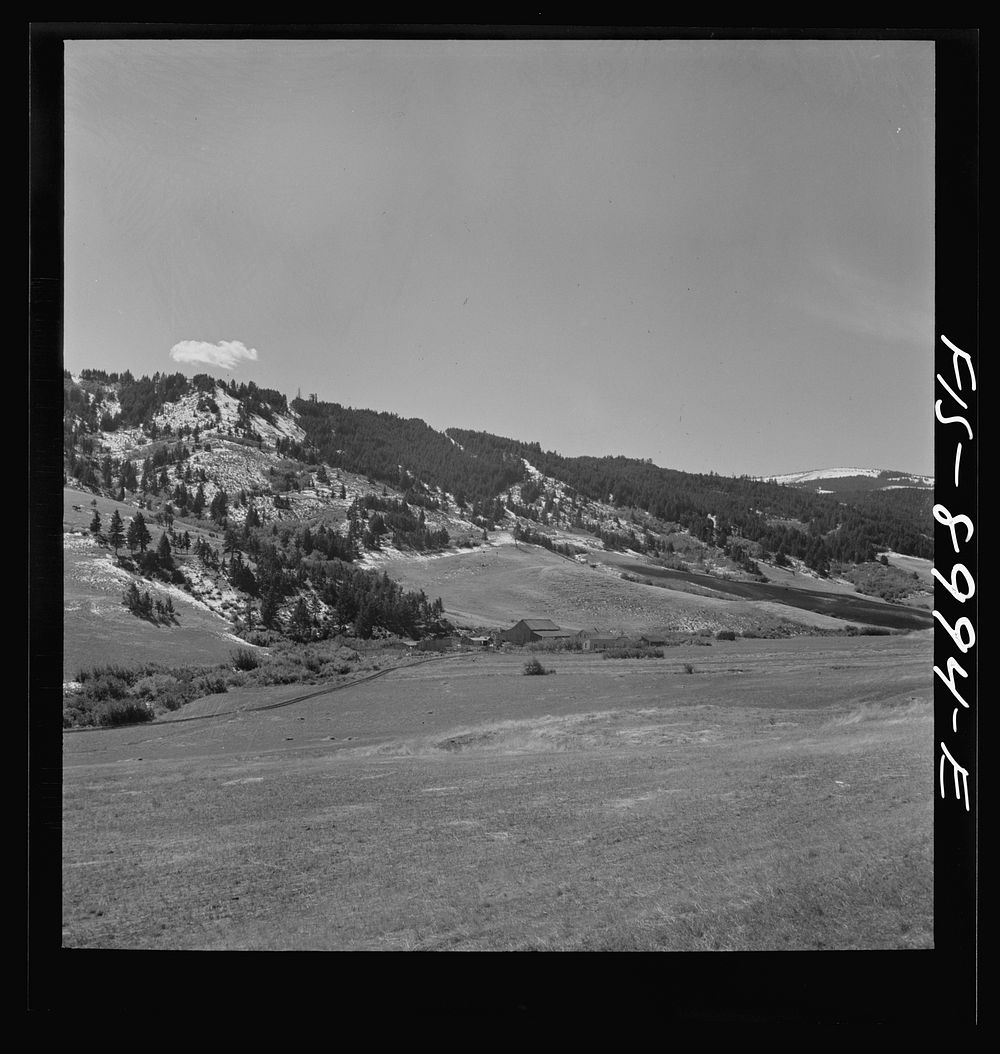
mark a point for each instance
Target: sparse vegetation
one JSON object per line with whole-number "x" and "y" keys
{"x": 880, "y": 579}
{"x": 534, "y": 668}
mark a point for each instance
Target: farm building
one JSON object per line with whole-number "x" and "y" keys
{"x": 592, "y": 640}
{"x": 533, "y": 629}
{"x": 653, "y": 639}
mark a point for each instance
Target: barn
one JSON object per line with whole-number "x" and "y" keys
{"x": 593, "y": 640}
{"x": 533, "y": 629}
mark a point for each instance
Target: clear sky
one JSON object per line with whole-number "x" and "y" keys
{"x": 714, "y": 254}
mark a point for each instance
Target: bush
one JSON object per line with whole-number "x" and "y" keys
{"x": 123, "y": 712}
{"x": 154, "y": 685}
{"x": 171, "y": 700}
{"x": 725, "y": 634}
{"x": 244, "y": 659}
{"x": 208, "y": 684}
{"x": 125, "y": 673}
{"x": 688, "y": 668}
{"x": 533, "y": 668}
{"x": 108, "y": 687}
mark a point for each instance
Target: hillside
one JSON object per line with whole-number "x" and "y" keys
{"x": 834, "y": 480}
{"x": 260, "y": 519}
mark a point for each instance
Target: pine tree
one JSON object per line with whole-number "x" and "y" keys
{"x": 138, "y": 536}
{"x": 301, "y": 620}
{"x": 219, "y": 507}
{"x": 164, "y": 554}
{"x": 269, "y": 607}
{"x": 199, "y": 501}
{"x": 95, "y": 523}
{"x": 131, "y": 598}
{"x": 116, "y": 531}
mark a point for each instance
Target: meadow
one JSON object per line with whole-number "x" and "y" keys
{"x": 777, "y": 796}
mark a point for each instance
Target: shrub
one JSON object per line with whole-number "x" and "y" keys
{"x": 108, "y": 687}
{"x": 244, "y": 659}
{"x": 125, "y": 673}
{"x": 633, "y": 653}
{"x": 725, "y": 634}
{"x": 154, "y": 685}
{"x": 123, "y": 712}
{"x": 533, "y": 668}
{"x": 208, "y": 684}
{"x": 262, "y": 637}
{"x": 688, "y": 668}
{"x": 171, "y": 700}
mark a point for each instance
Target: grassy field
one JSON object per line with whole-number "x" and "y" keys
{"x": 779, "y": 796}
{"x": 499, "y": 585}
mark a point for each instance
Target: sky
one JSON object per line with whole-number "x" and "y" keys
{"x": 717, "y": 255}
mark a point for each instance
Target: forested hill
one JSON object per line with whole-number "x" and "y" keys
{"x": 405, "y": 452}
{"x": 487, "y": 477}
{"x": 823, "y": 527}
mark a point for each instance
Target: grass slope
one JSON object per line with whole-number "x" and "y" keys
{"x": 775, "y": 798}
{"x": 97, "y": 629}
{"x": 498, "y": 585}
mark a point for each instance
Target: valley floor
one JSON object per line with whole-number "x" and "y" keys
{"x": 777, "y": 796}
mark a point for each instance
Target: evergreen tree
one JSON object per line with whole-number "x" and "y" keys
{"x": 116, "y": 531}
{"x": 95, "y": 523}
{"x": 164, "y": 554}
{"x": 219, "y": 507}
{"x": 199, "y": 501}
{"x": 302, "y": 621}
{"x": 138, "y": 536}
{"x": 270, "y": 606}
{"x": 131, "y": 598}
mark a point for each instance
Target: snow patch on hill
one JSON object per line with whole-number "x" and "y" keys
{"x": 821, "y": 473}
{"x": 905, "y": 479}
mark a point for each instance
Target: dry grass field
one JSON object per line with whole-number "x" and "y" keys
{"x": 498, "y": 585}
{"x": 779, "y": 796}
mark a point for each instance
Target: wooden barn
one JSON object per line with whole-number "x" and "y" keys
{"x": 594, "y": 640}
{"x": 532, "y": 629}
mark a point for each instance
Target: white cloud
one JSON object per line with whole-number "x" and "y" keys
{"x": 227, "y": 354}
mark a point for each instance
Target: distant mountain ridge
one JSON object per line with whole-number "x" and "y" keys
{"x": 840, "y": 479}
